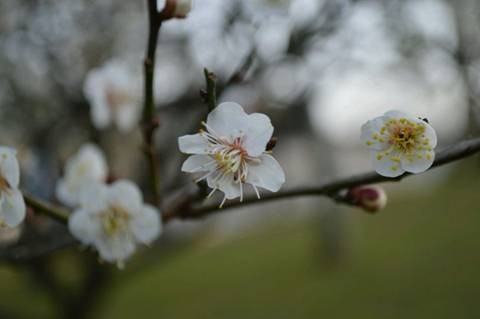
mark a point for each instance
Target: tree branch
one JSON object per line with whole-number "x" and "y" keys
{"x": 44, "y": 208}
{"x": 210, "y": 96}
{"x": 332, "y": 189}
{"x": 150, "y": 122}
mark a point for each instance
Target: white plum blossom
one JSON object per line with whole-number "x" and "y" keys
{"x": 114, "y": 93}
{"x": 114, "y": 220}
{"x": 12, "y": 204}
{"x": 87, "y": 166}
{"x": 399, "y": 143}
{"x": 231, "y": 152}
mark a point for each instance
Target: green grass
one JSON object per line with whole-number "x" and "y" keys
{"x": 419, "y": 258}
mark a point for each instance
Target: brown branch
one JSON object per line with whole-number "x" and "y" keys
{"x": 210, "y": 95}
{"x": 150, "y": 122}
{"x": 332, "y": 189}
{"x": 47, "y": 209}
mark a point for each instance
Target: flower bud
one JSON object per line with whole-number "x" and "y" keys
{"x": 176, "y": 9}
{"x": 371, "y": 198}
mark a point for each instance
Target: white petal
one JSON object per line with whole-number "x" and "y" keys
{"x": 116, "y": 248}
{"x": 198, "y": 163}
{"x": 259, "y": 133}
{"x": 88, "y": 163}
{"x": 268, "y": 174}
{"x": 370, "y": 129}
{"x": 385, "y": 166}
{"x": 225, "y": 184}
{"x": 431, "y": 135}
{"x": 85, "y": 226}
{"x": 418, "y": 165}
{"x": 183, "y": 7}
{"x": 127, "y": 116}
{"x": 228, "y": 120}
{"x": 101, "y": 115}
{"x": 127, "y": 195}
{"x": 65, "y": 194}
{"x": 94, "y": 90}
{"x": 94, "y": 197}
{"x": 9, "y": 168}
{"x": 395, "y": 114}
{"x": 193, "y": 144}
{"x": 147, "y": 226}
{"x": 13, "y": 208}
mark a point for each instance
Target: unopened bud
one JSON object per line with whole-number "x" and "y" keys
{"x": 175, "y": 9}
{"x": 371, "y": 198}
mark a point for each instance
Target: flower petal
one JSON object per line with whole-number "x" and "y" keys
{"x": 127, "y": 116}
{"x": 193, "y": 144}
{"x": 127, "y": 195}
{"x": 198, "y": 163}
{"x": 396, "y": 114}
{"x": 384, "y": 166}
{"x": 13, "y": 208}
{"x": 9, "y": 167}
{"x": 94, "y": 197}
{"x": 94, "y": 90}
{"x": 419, "y": 162}
{"x": 259, "y": 133}
{"x": 84, "y": 226}
{"x": 147, "y": 226}
{"x": 115, "y": 248}
{"x": 64, "y": 193}
{"x": 227, "y": 120}
{"x": 268, "y": 174}
{"x": 373, "y": 128}
{"x": 226, "y": 184}
{"x": 431, "y": 135}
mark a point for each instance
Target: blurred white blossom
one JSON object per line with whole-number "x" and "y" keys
{"x": 114, "y": 93}
{"x": 12, "y": 204}
{"x": 114, "y": 220}
{"x": 232, "y": 152}
{"x": 399, "y": 143}
{"x": 87, "y": 166}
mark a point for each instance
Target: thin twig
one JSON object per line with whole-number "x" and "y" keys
{"x": 47, "y": 209}
{"x": 331, "y": 190}
{"x": 211, "y": 93}
{"x": 150, "y": 122}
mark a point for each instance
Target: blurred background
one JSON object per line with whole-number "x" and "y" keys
{"x": 319, "y": 69}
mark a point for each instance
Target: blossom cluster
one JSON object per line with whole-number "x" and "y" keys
{"x": 230, "y": 151}
{"x": 112, "y": 218}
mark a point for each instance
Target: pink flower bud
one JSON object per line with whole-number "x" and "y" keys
{"x": 371, "y": 198}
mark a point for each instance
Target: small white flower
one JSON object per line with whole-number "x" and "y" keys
{"x": 399, "y": 143}
{"x": 232, "y": 152}
{"x": 114, "y": 93}
{"x": 84, "y": 168}
{"x": 12, "y": 204}
{"x": 114, "y": 219}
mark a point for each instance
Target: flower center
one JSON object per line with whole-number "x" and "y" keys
{"x": 231, "y": 159}
{"x": 405, "y": 136}
{"x": 114, "y": 220}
